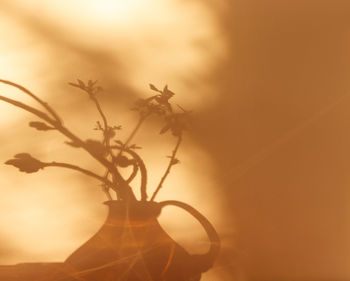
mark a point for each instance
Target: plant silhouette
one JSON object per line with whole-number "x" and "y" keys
{"x": 131, "y": 245}
{"x": 113, "y": 153}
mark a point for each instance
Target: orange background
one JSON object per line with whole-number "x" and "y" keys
{"x": 267, "y": 159}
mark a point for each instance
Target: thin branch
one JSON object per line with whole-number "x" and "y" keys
{"x": 105, "y": 181}
{"x": 125, "y": 189}
{"x": 30, "y": 109}
{"x": 124, "y": 147}
{"x": 106, "y": 136}
{"x": 26, "y": 91}
{"x": 79, "y": 169}
{"x": 105, "y": 123}
{"x": 135, "y": 169}
{"x": 171, "y": 163}
{"x": 106, "y": 189}
{"x": 143, "y": 171}
{"x": 133, "y": 133}
{"x": 100, "y": 111}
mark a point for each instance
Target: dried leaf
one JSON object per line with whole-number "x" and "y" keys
{"x": 74, "y": 85}
{"x": 165, "y": 128}
{"x": 117, "y": 127}
{"x": 26, "y": 163}
{"x": 110, "y": 133}
{"x": 177, "y": 123}
{"x": 134, "y": 146}
{"x": 167, "y": 93}
{"x": 41, "y": 126}
{"x": 154, "y": 88}
{"x": 96, "y": 147}
{"x": 173, "y": 161}
{"x": 118, "y": 142}
{"x": 98, "y": 125}
{"x": 73, "y": 144}
{"x": 81, "y": 83}
{"x": 91, "y": 83}
{"x": 124, "y": 161}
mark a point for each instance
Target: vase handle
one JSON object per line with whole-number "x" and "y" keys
{"x": 206, "y": 260}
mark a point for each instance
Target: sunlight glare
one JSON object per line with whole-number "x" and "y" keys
{"x": 109, "y": 11}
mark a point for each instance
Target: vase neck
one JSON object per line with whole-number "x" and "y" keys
{"x": 136, "y": 210}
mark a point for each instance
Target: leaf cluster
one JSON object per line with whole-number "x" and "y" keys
{"x": 175, "y": 122}
{"x": 26, "y": 163}
{"x": 90, "y": 87}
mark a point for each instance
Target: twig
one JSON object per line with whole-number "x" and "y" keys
{"x": 124, "y": 147}
{"x": 133, "y": 133}
{"x": 106, "y": 189}
{"x": 135, "y": 169}
{"x": 105, "y": 123}
{"x": 143, "y": 171}
{"x": 105, "y": 181}
{"x": 79, "y": 169}
{"x": 106, "y": 137}
{"x": 125, "y": 190}
{"x": 28, "y": 108}
{"x": 171, "y": 163}
{"x": 26, "y": 91}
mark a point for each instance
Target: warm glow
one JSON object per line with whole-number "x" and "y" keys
{"x": 159, "y": 41}
{"x": 50, "y": 214}
{"x": 117, "y": 11}
{"x": 267, "y": 160}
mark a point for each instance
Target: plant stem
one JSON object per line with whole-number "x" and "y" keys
{"x": 171, "y": 163}
{"x": 125, "y": 190}
{"x": 143, "y": 172}
{"x": 30, "y": 109}
{"x": 107, "y": 173}
{"x": 135, "y": 169}
{"x": 124, "y": 147}
{"x": 106, "y": 137}
{"x": 79, "y": 169}
{"x": 133, "y": 133}
{"x": 108, "y": 195}
{"x": 26, "y": 91}
{"x": 84, "y": 171}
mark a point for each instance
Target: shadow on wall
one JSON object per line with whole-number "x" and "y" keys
{"x": 64, "y": 55}
{"x": 277, "y": 130}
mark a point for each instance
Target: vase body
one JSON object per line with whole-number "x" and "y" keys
{"x": 132, "y": 246}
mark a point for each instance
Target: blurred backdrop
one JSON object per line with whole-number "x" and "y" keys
{"x": 267, "y": 158}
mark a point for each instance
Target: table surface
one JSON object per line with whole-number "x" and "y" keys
{"x": 29, "y": 271}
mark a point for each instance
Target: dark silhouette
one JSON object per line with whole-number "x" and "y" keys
{"x": 131, "y": 245}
